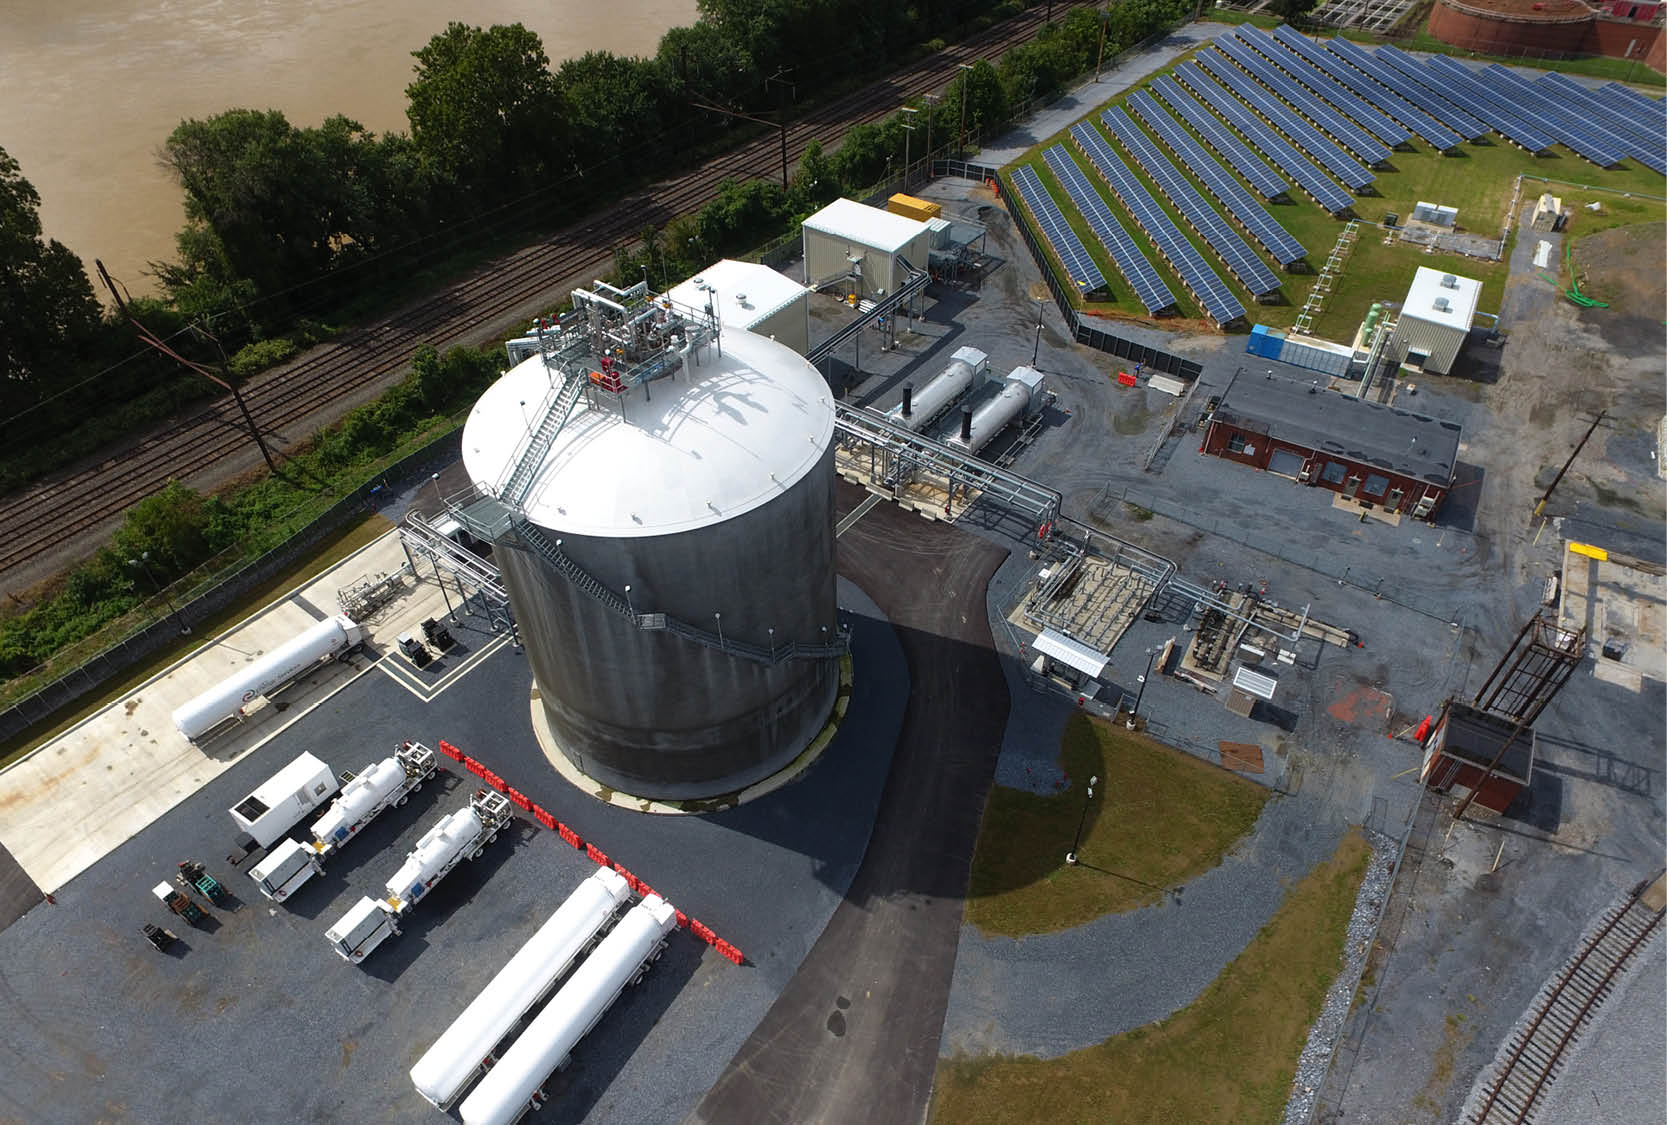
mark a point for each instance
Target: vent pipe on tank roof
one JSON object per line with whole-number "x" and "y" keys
{"x": 966, "y": 423}
{"x": 908, "y": 399}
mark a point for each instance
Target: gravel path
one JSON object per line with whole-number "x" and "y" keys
{"x": 1328, "y": 1029}
{"x": 1054, "y": 993}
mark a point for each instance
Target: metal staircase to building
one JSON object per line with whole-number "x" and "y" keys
{"x": 872, "y": 311}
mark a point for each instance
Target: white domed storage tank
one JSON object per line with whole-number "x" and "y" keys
{"x": 671, "y": 563}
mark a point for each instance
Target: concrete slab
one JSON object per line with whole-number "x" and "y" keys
{"x": 80, "y": 795}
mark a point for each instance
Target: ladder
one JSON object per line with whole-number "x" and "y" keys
{"x": 556, "y": 414}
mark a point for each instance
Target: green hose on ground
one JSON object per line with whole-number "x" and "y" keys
{"x": 1573, "y": 292}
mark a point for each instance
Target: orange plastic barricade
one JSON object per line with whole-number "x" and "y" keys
{"x": 569, "y": 835}
{"x": 729, "y": 951}
{"x": 1126, "y": 379}
{"x": 518, "y": 799}
{"x": 682, "y": 920}
{"x": 598, "y": 857}
{"x": 450, "y": 751}
{"x": 544, "y": 818}
{"x": 474, "y": 767}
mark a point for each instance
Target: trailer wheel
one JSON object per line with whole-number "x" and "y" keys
{"x": 477, "y": 853}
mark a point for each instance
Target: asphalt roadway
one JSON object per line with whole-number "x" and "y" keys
{"x": 854, "y": 1035}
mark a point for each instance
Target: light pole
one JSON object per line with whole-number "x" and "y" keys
{"x": 143, "y": 563}
{"x": 1036, "y": 349}
{"x": 631, "y": 609}
{"x": 1151, "y": 655}
{"x": 966, "y": 80}
{"x": 1071, "y": 856}
{"x": 722, "y": 644}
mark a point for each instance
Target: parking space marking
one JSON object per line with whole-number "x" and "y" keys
{"x": 395, "y": 668}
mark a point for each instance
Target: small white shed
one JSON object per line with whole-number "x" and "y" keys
{"x": 848, "y": 238}
{"x": 1434, "y": 320}
{"x": 751, "y": 297}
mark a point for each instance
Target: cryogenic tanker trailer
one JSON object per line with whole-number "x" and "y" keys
{"x": 327, "y": 640}
{"x": 460, "y": 835}
{"x": 380, "y": 786}
{"x": 1020, "y": 394}
{"x": 967, "y": 369}
{"x": 469, "y": 1045}
{"x": 511, "y": 1087}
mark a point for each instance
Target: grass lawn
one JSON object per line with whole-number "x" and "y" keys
{"x": 330, "y": 552}
{"x": 1157, "y": 818}
{"x": 1478, "y": 182}
{"x": 1228, "y": 1056}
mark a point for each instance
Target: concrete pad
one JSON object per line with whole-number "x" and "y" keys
{"x": 76, "y": 798}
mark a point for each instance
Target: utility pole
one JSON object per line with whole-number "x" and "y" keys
{"x": 152, "y": 340}
{"x": 908, "y": 135}
{"x": 1578, "y": 446}
{"x": 780, "y": 125}
{"x": 1099, "y": 61}
{"x": 931, "y": 112}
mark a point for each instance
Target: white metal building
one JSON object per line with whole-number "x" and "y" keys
{"x": 1434, "y": 320}
{"x": 848, "y": 238}
{"x": 753, "y": 298}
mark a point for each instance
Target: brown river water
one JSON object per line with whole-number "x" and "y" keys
{"x": 90, "y": 89}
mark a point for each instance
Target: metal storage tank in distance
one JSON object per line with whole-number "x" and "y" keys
{"x": 671, "y": 564}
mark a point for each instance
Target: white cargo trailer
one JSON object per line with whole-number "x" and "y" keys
{"x": 466, "y": 1048}
{"x": 511, "y": 1087}
{"x": 381, "y": 785}
{"x": 283, "y": 799}
{"x": 460, "y": 835}
{"x": 276, "y": 670}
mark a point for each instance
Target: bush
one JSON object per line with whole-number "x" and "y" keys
{"x": 260, "y": 355}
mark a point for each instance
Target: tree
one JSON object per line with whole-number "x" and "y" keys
{"x": 1292, "y": 11}
{"x": 485, "y": 111}
{"x": 47, "y": 310}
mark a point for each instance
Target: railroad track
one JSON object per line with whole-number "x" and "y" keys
{"x": 1514, "y": 1092}
{"x": 54, "y": 512}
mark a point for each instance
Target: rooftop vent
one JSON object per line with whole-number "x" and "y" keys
{"x": 1448, "y": 281}
{"x": 1441, "y": 305}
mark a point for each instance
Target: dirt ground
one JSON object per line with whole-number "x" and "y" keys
{"x": 1623, "y": 266}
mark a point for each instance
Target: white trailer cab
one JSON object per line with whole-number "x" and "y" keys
{"x": 460, "y": 835}
{"x": 467, "y": 1047}
{"x": 278, "y": 669}
{"x": 511, "y": 1087}
{"x": 379, "y": 786}
{"x": 283, "y": 799}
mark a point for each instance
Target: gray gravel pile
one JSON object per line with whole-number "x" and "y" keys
{"x": 1328, "y": 1029}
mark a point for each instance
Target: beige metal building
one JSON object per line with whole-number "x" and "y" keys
{"x": 753, "y": 298}
{"x": 1434, "y": 320}
{"x": 873, "y": 248}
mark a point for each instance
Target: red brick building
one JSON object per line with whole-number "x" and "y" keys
{"x": 1553, "y": 28}
{"x": 1375, "y": 455}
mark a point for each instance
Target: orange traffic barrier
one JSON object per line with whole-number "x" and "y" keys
{"x": 597, "y": 856}
{"x": 682, "y": 920}
{"x": 518, "y": 799}
{"x": 729, "y": 951}
{"x": 473, "y": 766}
{"x": 493, "y": 780}
{"x": 1423, "y": 730}
{"x": 700, "y": 930}
{"x": 569, "y": 835}
{"x": 1126, "y": 379}
{"x": 450, "y": 751}
{"x": 544, "y": 818}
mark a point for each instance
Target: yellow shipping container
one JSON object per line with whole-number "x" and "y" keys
{"x": 911, "y": 208}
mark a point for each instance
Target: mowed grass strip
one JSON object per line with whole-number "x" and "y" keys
{"x": 1228, "y": 1056}
{"x": 1157, "y": 818}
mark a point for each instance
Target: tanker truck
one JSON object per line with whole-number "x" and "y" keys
{"x": 460, "y": 835}
{"x": 327, "y": 640}
{"x": 378, "y": 787}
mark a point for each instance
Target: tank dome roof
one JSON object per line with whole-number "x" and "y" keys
{"x": 680, "y": 453}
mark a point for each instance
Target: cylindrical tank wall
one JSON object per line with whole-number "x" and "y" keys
{"x": 652, "y": 714}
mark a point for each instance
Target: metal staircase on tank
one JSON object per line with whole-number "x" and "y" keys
{"x": 541, "y": 543}
{"x": 557, "y": 407}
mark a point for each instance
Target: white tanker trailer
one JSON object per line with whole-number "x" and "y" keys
{"x": 468, "y": 1046}
{"x": 966, "y": 369}
{"x": 223, "y": 702}
{"x": 1020, "y": 393}
{"x": 460, "y": 835}
{"x": 511, "y": 1087}
{"x": 380, "y": 786}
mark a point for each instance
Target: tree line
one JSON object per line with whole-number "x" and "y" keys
{"x": 287, "y": 225}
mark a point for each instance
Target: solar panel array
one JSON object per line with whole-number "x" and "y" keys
{"x": 1262, "y": 226}
{"x": 1219, "y": 137}
{"x": 1084, "y": 274}
{"x": 1391, "y": 103}
{"x": 1625, "y": 98}
{"x": 1629, "y": 131}
{"x": 1336, "y": 127}
{"x": 1416, "y": 93}
{"x": 1467, "y": 92}
{"x": 1340, "y": 164}
{"x": 1583, "y": 135}
{"x": 1322, "y": 85}
{"x": 1195, "y": 273}
{"x": 1141, "y": 275}
{"x": 1290, "y": 161}
{"x": 1243, "y": 262}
